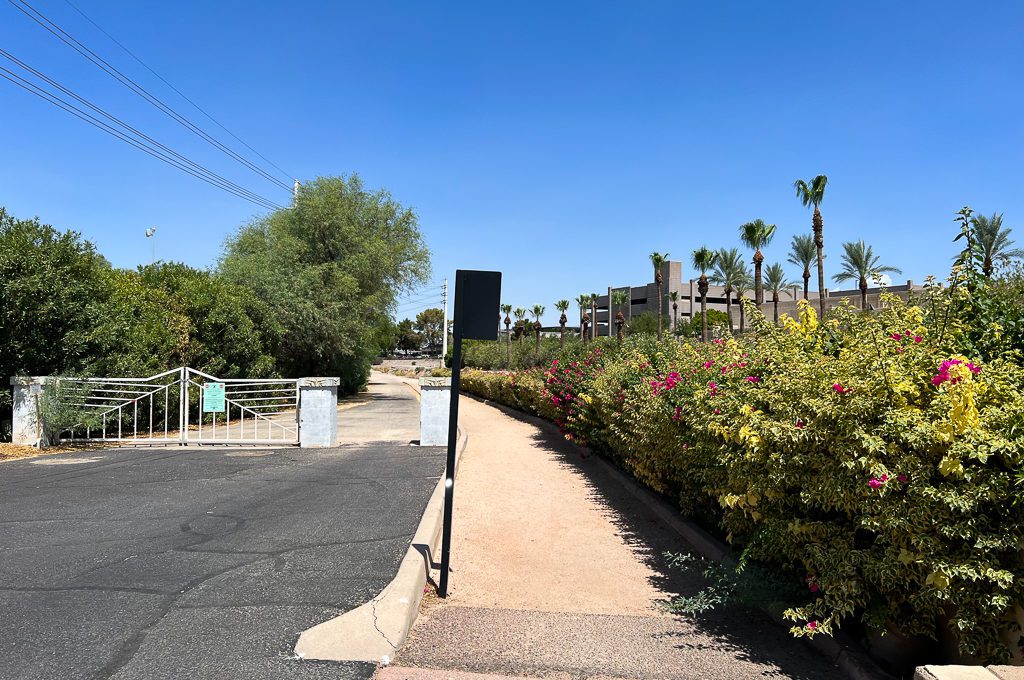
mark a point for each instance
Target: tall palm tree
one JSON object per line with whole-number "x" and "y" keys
{"x": 593, "y": 315}
{"x": 520, "y": 315}
{"x": 744, "y": 283}
{"x": 562, "y": 306}
{"x": 657, "y": 261}
{"x": 757, "y": 235}
{"x": 860, "y": 263}
{"x": 537, "y": 311}
{"x": 804, "y": 254}
{"x": 775, "y": 280}
{"x": 619, "y": 298}
{"x": 992, "y": 242}
{"x": 728, "y": 267}
{"x": 506, "y": 310}
{"x": 583, "y": 301}
{"x": 703, "y": 260}
{"x": 673, "y": 297}
{"x": 812, "y": 195}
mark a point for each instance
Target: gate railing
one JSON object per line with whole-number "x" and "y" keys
{"x": 266, "y": 410}
{"x": 172, "y": 407}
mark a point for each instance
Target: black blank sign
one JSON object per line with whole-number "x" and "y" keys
{"x": 477, "y": 302}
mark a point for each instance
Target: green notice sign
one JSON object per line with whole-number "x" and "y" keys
{"x": 213, "y": 397}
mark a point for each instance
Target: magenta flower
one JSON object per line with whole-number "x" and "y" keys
{"x": 752, "y": 379}
{"x": 875, "y": 483}
{"x": 901, "y": 479}
{"x": 813, "y": 625}
{"x": 838, "y": 387}
{"x": 554, "y": 363}
{"x": 708, "y": 364}
{"x": 717, "y": 411}
{"x": 800, "y": 423}
{"x": 814, "y": 587}
{"x": 678, "y": 414}
{"x": 918, "y": 339}
{"x": 896, "y": 336}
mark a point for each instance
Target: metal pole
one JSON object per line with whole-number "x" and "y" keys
{"x": 444, "y": 322}
{"x": 450, "y": 464}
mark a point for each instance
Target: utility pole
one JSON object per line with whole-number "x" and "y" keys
{"x": 444, "y": 322}
{"x": 151, "y": 234}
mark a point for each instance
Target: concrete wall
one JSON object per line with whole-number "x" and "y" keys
{"x": 24, "y": 424}
{"x": 318, "y": 412}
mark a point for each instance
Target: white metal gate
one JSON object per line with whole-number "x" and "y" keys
{"x": 180, "y": 406}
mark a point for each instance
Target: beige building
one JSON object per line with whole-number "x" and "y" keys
{"x": 643, "y": 298}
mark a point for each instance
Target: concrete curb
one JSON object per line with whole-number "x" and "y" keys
{"x": 840, "y": 650}
{"x": 378, "y": 628}
{"x": 969, "y": 673}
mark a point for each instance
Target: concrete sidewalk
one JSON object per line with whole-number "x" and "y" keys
{"x": 557, "y": 571}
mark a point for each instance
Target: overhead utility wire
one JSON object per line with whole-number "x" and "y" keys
{"x": 180, "y": 93}
{"x": 73, "y": 110}
{"x": 74, "y": 44}
{"x": 220, "y": 180}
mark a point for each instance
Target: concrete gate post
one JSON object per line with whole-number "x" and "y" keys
{"x": 435, "y": 402}
{"x": 318, "y": 412}
{"x": 25, "y": 426}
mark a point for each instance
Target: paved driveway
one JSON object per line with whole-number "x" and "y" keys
{"x": 173, "y": 563}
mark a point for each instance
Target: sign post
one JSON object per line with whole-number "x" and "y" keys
{"x": 477, "y": 299}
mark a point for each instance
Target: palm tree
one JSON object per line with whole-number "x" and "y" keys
{"x": 775, "y": 280}
{"x": 674, "y": 299}
{"x": 813, "y": 194}
{"x": 562, "y": 306}
{"x": 992, "y": 242}
{"x": 757, "y": 235}
{"x": 859, "y": 263}
{"x": 619, "y": 298}
{"x": 703, "y": 260}
{"x": 657, "y": 261}
{"x": 520, "y": 315}
{"x": 537, "y": 311}
{"x": 593, "y": 315}
{"x": 744, "y": 283}
{"x": 583, "y": 301}
{"x": 803, "y": 253}
{"x": 506, "y": 310}
{"x": 728, "y": 267}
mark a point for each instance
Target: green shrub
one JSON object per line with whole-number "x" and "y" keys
{"x": 863, "y": 455}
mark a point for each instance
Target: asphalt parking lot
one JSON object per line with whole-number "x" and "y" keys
{"x": 182, "y": 563}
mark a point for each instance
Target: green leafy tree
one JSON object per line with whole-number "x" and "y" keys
{"x": 775, "y": 280}
{"x": 703, "y": 261}
{"x": 859, "y": 264}
{"x": 408, "y": 339}
{"x": 729, "y": 267}
{"x": 430, "y": 325}
{"x": 645, "y": 323}
{"x": 658, "y": 261}
{"x": 562, "y": 306}
{"x": 804, "y": 254}
{"x": 812, "y": 194}
{"x": 51, "y": 287}
{"x": 992, "y": 243}
{"x": 757, "y": 235}
{"x": 330, "y": 269}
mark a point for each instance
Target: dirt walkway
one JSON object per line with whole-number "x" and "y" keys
{"x": 557, "y": 571}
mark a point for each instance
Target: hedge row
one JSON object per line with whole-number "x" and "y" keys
{"x": 862, "y": 456}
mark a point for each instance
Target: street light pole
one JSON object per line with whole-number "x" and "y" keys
{"x": 151, "y": 234}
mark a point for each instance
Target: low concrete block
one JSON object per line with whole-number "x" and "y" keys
{"x": 25, "y": 426}
{"x": 435, "y": 403}
{"x": 318, "y": 412}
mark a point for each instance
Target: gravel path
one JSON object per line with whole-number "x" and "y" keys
{"x": 557, "y": 571}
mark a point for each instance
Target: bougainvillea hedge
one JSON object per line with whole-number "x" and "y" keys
{"x": 862, "y": 455}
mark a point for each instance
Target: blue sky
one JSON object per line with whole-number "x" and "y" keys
{"x": 558, "y": 142}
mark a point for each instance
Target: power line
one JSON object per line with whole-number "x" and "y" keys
{"x": 110, "y": 70}
{"x": 78, "y": 113}
{"x": 179, "y": 92}
{"x": 220, "y": 180}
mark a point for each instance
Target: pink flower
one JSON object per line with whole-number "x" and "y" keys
{"x": 838, "y": 387}
{"x": 918, "y": 339}
{"x": 875, "y": 483}
{"x": 554, "y": 363}
{"x": 884, "y": 478}
{"x": 708, "y": 364}
{"x": 678, "y": 414}
{"x": 812, "y": 625}
{"x": 901, "y": 479}
{"x": 752, "y": 379}
{"x": 814, "y": 587}
{"x": 896, "y": 336}
{"x": 717, "y": 411}
{"x": 800, "y": 423}
{"x": 974, "y": 369}
{"x": 713, "y": 387}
